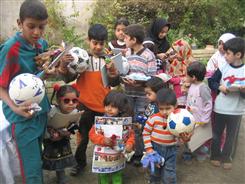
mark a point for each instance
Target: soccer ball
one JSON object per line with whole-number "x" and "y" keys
{"x": 80, "y": 62}
{"x": 179, "y": 121}
{"x": 26, "y": 87}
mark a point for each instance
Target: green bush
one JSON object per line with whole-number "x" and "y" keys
{"x": 58, "y": 29}
{"x": 206, "y": 20}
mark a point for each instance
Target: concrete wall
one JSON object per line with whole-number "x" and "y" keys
{"x": 9, "y": 12}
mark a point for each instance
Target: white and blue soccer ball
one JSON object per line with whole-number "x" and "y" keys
{"x": 179, "y": 121}
{"x": 27, "y": 88}
{"x": 80, "y": 62}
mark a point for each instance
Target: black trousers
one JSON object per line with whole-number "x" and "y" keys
{"x": 85, "y": 124}
{"x": 231, "y": 123}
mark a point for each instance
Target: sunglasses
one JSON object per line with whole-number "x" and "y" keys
{"x": 68, "y": 100}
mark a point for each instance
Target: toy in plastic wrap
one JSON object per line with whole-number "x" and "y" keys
{"x": 151, "y": 160}
{"x": 141, "y": 119}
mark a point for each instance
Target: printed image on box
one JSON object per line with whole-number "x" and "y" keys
{"x": 110, "y": 159}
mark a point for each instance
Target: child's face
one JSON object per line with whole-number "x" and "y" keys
{"x": 96, "y": 47}
{"x": 119, "y": 32}
{"x": 32, "y": 29}
{"x": 111, "y": 110}
{"x": 163, "y": 32}
{"x": 232, "y": 58}
{"x": 165, "y": 110}
{"x": 130, "y": 42}
{"x": 68, "y": 102}
{"x": 221, "y": 47}
{"x": 189, "y": 79}
{"x": 150, "y": 95}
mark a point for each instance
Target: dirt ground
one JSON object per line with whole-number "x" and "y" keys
{"x": 197, "y": 173}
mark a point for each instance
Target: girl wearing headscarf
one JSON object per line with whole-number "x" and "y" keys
{"x": 157, "y": 34}
{"x": 218, "y": 58}
{"x": 179, "y": 57}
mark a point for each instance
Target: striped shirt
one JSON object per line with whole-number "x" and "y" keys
{"x": 143, "y": 62}
{"x": 156, "y": 130}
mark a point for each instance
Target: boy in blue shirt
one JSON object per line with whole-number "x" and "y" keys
{"x": 17, "y": 56}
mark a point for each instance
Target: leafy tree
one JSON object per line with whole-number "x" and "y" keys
{"x": 206, "y": 20}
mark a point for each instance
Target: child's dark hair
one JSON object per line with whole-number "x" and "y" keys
{"x": 97, "y": 32}
{"x": 121, "y": 21}
{"x": 196, "y": 69}
{"x": 155, "y": 84}
{"x": 166, "y": 96}
{"x": 235, "y": 45}
{"x": 121, "y": 101}
{"x": 60, "y": 91}
{"x": 136, "y": 31}
{"x": 33, "y": 9}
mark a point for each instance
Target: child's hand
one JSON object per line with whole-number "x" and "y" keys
{"x": 162, "y": 56}
{"x": 185, "y": 137}
{"x": 111, "y": 69}
{"x": 108, "y": 141}
{"x": 24, "y": 110}
{"x": 129, "y": 148}
{"x": 54, "y": 134}
{"x": 192, "y": 109}
{"x": 45, "y": 57}
{"x": 64, "y": 61}
{"x": 124, "y": 51}
{"x": 148, "y": 151}
{"x": 131, "y": 82}
{"x": 223, "y": 89}
{"x": 64, "y": 133}
{"x": 138, "y": 125}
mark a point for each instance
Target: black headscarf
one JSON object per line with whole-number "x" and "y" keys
{"x": 162, "y": 45}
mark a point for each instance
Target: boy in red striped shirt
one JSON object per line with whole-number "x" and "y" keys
{"x": 158, "y": 138}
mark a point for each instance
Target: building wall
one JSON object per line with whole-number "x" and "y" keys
{"x": 9, "y": 13}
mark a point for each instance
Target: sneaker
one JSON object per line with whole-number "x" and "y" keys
{"x": 76, "y": 170}
{"x": 215, "y": 163}
{"x": 227, "y": 166}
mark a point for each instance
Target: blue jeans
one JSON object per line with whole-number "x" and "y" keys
{"x": 166, "y": 173}
{"x": 139, "y": 107}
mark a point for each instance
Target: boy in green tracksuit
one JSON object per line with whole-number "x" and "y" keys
{"x": 17, "y": 56}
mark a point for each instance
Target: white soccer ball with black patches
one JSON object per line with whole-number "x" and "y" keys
{"x": 26, "y": 87}
{"x": 180, "y": 121}
{"x": 80, "y": 62}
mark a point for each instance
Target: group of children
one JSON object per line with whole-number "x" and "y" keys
{"x": 155, "y": 99}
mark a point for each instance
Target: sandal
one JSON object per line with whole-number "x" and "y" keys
{"x": 227, "y": 166}
{"x": 215, "y": 163}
